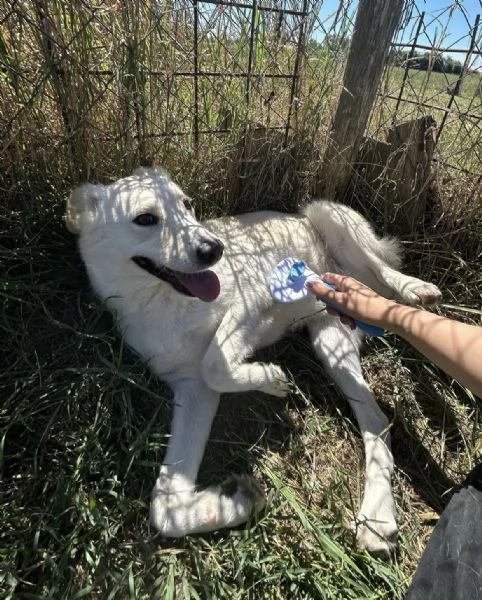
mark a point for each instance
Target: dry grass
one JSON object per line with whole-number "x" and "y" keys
{"x": 84, "y": 425}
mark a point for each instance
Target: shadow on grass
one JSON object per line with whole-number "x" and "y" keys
{"x": 85, "y": 426}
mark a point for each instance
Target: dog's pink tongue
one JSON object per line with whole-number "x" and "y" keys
{"x": 204, "y": 285}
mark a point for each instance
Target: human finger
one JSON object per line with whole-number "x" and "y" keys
{"x": 317, "y": 288}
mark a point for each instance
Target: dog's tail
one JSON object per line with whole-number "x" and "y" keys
{"x": 352, "y": 244}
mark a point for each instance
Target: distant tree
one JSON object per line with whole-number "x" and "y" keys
{"x": 397, "y": 57}
{"x": 337, "y": 44}
{"x": 449, "y": 64}
{"x": 429, "y": 62}
{"x": 419, "y": 61}
{"x": 437, "y": 63}
{"x": 313, "y": 47}
{"x": 332, "y": 46}
{"x": 452, "y": 66}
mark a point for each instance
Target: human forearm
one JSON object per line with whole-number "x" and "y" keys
{"x": 453, "y": 346}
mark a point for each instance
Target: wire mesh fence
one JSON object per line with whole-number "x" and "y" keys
{"x": 432, "y": 72}
{"x": 93, "y": 88}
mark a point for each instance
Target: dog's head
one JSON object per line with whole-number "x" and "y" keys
{"x": 146, "y": 219}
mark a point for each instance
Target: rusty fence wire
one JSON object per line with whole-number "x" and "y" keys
{"x": 95, "y": 87}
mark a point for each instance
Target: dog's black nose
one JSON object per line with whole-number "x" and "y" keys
{"x": 209, "y": 251}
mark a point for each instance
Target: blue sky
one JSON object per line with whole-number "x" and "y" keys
{"x": 447, "y": 23}
{"x": 456, "y": 17}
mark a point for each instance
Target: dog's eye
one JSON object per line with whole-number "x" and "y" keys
{"x": 188, "y": 204}
{"x": 146, "y": 219}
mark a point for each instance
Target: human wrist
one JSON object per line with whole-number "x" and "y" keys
{"x": 376, "y": 311}
{"x": 401, "y": 318}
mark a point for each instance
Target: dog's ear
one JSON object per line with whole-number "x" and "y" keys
{"x": 84, "y": 199}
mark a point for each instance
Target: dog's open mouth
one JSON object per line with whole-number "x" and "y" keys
{"x": 203, "y": 285}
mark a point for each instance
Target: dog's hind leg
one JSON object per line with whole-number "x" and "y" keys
{"x": 356, "y": 249}
{"x": 224, "y": 368}
{"x": 338, "y": 348}
{"x": 177, "y": 508}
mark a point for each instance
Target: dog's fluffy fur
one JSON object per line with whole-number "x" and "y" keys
{"x": 151, "y": 269}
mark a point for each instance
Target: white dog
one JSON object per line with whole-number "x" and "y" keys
{"x": 193, "y": 300}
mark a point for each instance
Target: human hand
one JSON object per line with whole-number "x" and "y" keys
{"x": 354, "y": 298}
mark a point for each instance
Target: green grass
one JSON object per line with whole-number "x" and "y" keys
{"x": 84, "y": 426}
{"x": 460, "y": 137}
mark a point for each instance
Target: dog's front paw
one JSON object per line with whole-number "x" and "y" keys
{"x": 277, "y": 382}
{"x": 245, "y": 489}
{"x": 175, "y": 514}
{"x": 415, "y": 291}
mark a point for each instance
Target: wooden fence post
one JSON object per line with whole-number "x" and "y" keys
{"x": 375, "y": 25}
